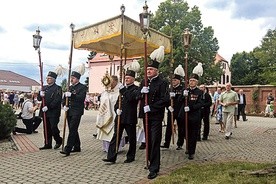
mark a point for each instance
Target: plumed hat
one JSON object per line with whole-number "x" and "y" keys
{"x": 133, "y": 68}
{"x": 178, "y": 73}
{"x": 52, "y": 74}
{"x": 78, "y": 71}
{"x": 156, "y": 57}
{"x": 198, "y": 69}
{"x": 194, "y": 76}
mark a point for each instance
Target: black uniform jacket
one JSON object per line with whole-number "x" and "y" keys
{"x": 195, "y": 103}
{"x": 207, "y": 102}
{"x": 53, "y": 98}
{"x": 76, "y": 101}
{"x": 129, "y": 102}
{"x": 176, "y": 102}
{"x": 158, "y": 98}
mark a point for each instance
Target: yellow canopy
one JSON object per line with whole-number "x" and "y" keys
{"x": 105, "y": 37}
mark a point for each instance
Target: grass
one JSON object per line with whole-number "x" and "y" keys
{"x": 219, "y": 173}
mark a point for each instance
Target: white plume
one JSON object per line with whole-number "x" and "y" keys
{"x": 134, "y": 66}
{"x": 179, "y": 71}
{"x": 80, "y": 69}
{"x": 158, "y": 54}
{"x": 60, "y": 70}
{"x": 198, "y": 69}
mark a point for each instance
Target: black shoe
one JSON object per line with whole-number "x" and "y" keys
{"x": 76, "y": 150}
{"x": 109, "y": 160}
{"x": 34, "y": 132}
{"x": 152, "y": 175}
{"x": 57, "y": 145}
{"x": 191, "y": 156}
{"x": 163, "y": 146}
{"x": 179, "y": 148}
{"x": 14, "y": 132}
{"x": 45, "y": 147}
{"x": 128, "y": 160}
{"x": 245, "y": 120}
{"x": 204, "y": 138}
{"x": 66, "y": 153}
{"x": 227, "y": 137}
{"x": 143, "y": 146}
{"x": 95, "y": 135}
{"x": 186, "y": 152}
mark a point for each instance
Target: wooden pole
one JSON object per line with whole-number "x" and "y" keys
{"x": 43, "y": 98}
{"x": 72, "y": 26}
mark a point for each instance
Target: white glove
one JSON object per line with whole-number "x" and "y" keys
{"x": 65, "y": 108}
{"x": 145, "y": 89}
{"x": 118, "y": 112}
{"x": 172, "y": 94}
{"x": 185, "y": 92}
{"x": 45, "y": 108}
{"x": 187, "y": 109}
{"x": 146, "y": 109}
{"x": 67, "y": 94}
{"x": 42, "y": 93}
{"x": 121, "y": 86}
{"x": 170, "y": 108}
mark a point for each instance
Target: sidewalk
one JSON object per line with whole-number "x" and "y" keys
{"x": 253, "y": 140}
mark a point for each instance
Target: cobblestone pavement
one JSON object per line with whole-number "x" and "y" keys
{"x": 253, "y": 140}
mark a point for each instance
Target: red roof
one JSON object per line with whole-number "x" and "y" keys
{"x": 9, "y": 78}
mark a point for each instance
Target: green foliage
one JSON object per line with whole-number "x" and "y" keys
{"x": 63, "y": 85}
{"x": 172, "y": 18}
{"x": 7, "y": 120}
{"x": 210, "y": 173}
{"x": 258, "y": 66}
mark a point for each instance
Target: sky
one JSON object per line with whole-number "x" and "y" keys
{"x": 238, "y": 25}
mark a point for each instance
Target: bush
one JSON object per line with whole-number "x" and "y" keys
{"x": 7, "y": 120}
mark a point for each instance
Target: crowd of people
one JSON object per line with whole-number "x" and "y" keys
{"x": 128, "y": 113}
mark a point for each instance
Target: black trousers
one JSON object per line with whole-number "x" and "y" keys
{"x": 241, "y": 111}
{"x": 131, "y": 133}
{"x": 206, "y": 124}
{"x": 31, "y": 125}
{"x": 168, "y": 133}
{"x": 154, "y": 140}
{"x": 73, "y": 136}
{"x": 193, "y": 129}
{"x": 52, "y": 130}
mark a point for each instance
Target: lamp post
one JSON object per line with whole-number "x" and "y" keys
{"x": 144, "y": 25}
{"x": 36, "y": 44}
{"x": 187, "y": 37}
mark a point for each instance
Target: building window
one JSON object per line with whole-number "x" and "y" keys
{"x": 227, "y": 78}
{"x": 223, "y": 79}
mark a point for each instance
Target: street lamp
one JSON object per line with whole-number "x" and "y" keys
{"x": 37, "y": 39}
{"x": 144, "y": 19}
{"x": 36, "y": 44}
{"x": 144, "y": 25}
{"x": 187, "y": 38}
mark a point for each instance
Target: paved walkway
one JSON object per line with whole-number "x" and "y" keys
{"x": 253, "y": 140}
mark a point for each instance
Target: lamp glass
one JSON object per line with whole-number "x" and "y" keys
{"x": 37, "y": 39}
{"x": 187, "y": 38}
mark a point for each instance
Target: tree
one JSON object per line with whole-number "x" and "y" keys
{"x": 266, "y": 54}
{"x": 171, "y": 18}
{"x": 258, "y": 66}
{"x": 63, "y": 85}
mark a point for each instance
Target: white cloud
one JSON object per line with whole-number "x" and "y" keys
{"x": 19, "y": 20}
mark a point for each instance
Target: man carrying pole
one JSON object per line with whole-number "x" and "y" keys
{"x": 173, "y": 109}
{"x": 158, "y": 98}
{"x": 192, "y": 109}
{"x": 128, "y": 116}
{"x": 52, "y": 94}
{"x": 75, "y": 110}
